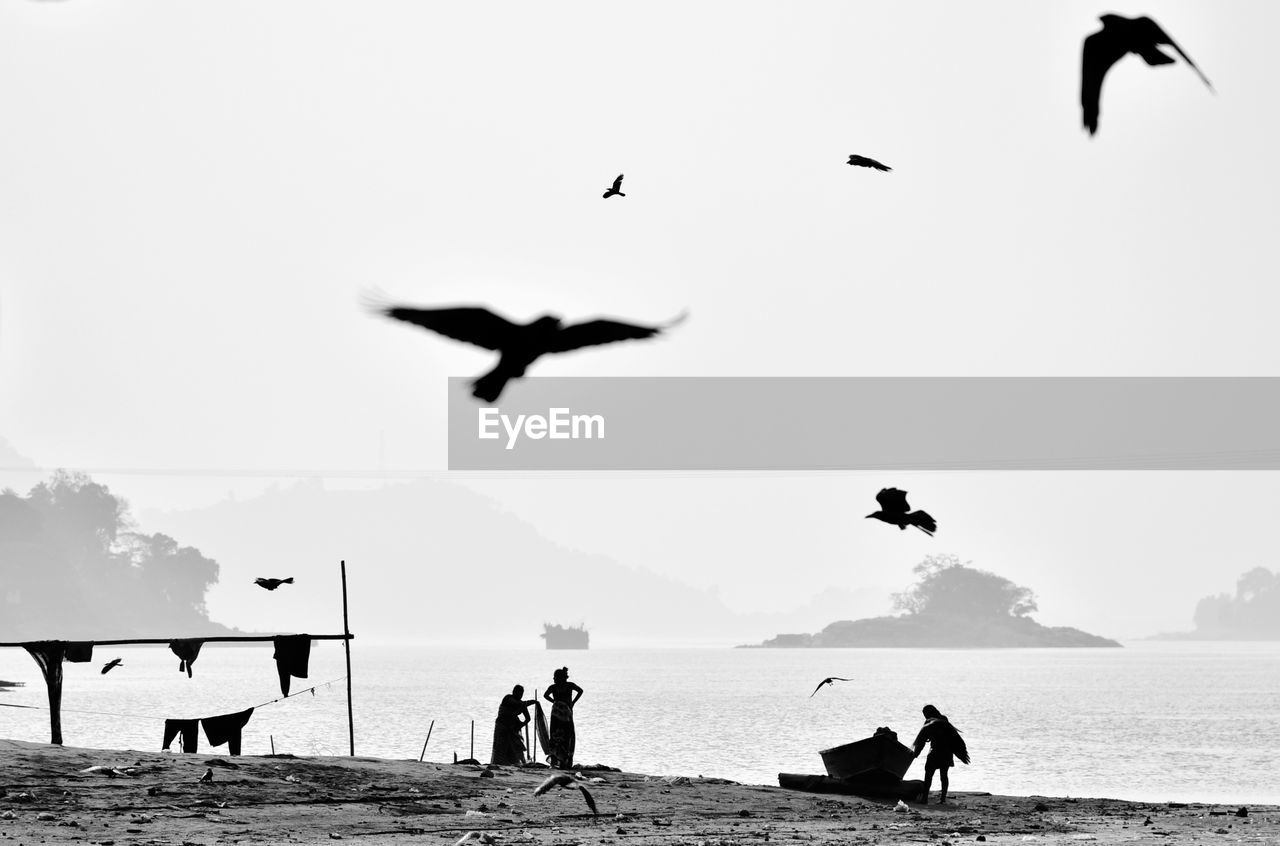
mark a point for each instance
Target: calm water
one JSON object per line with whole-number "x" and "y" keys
{"x": 1153, "y": 721}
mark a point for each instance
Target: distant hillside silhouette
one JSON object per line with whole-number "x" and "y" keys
{"x": 951, "y": 606}
{"x": 435, "y": 561}
{"x": 1253, "y": 613}
{"x": 72, "y": 566}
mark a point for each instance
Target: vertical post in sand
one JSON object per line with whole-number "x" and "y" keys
{"x": 473, "y": 740}
{"x": 425, "y": 742}
{"x": 346, "y": 644}
{"x": 272, "y": 738}
{"x": 534, "y": 756}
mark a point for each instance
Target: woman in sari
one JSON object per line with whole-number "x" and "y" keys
{"x": 563, "y": 695}
{"x": 945, "y": 745}
{"x": 508, "y": 745}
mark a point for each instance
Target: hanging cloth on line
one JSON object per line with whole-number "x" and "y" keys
{"x": 292, "y": 654}
{"x": 226, "y": 729}
{"x": 187, "y": 649}
{"x": 79, "y": 652}
{"x": 189, "y": 729}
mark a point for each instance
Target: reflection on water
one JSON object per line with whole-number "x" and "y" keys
{"x": 1153, "y": 721}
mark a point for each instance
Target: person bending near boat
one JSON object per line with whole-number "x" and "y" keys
{"x": 945, "y": 745}
{"x": 563, "y": 695}
{"x": 513, "y": 716}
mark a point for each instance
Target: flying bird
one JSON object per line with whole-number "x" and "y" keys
{"x": 1102, "y": 49}
{"x": 520, "y": 345}
{"x": 863, "y": 161}
{"x": 616, "y": 189}
{"x": 111, "y": 665}
{"x": 895, "y": 511}
{"x": 827, "y": 680}
{"x": 272, "y": 584}
{"x": 566, "y": 780}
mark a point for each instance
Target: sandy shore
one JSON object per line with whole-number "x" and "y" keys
{"x": 158, "y": 799}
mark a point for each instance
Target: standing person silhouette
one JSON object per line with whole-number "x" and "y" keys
{"x": 563, "y": 695}
{"x": 944, "y": 741}
{"x": 513, "y": 716}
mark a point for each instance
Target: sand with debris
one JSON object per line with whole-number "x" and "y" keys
{"x": 69, "y": 795}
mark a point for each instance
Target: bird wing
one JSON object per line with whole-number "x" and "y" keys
{"x": 924, "y": 522}
{"x": 819, "y": 687}
{"x": 892, "y": 500}
{"x": 863, "y": 161}
{"x": 472, "y": 324}
{"x": 591, "y": 803}
{"x": 596, "y": 332}
{"x": 551, "y": 782}
{"x": 1162, "y": 37}
{"x": 1101, "y": 50}
{"x": 617, "y": 183}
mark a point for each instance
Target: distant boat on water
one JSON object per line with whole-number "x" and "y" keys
{"x": 565, "y": 637}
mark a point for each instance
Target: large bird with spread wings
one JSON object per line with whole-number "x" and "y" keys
{"x": 519, "y": 345}
{"x": 1102, "y": 49}
{"x": 895, "y": 511}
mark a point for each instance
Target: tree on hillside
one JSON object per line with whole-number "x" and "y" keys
{"x": 1254, "y": 611}
{"x": 71, "y": 565}
{"x": 946, "y": 586}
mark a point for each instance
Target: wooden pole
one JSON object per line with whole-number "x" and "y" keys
{"x": 425, "y": 742}
{"x": 534, "y": 756}
{"x": 473, "y": 740}
{"x": 346, "y": 631}
{"x": 272, "y": 738}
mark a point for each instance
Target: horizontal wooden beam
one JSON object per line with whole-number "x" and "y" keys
{"x": 165, "y": 641}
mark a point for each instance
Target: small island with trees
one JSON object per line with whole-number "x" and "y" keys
{"x": 952, "y": 605}
{"x": 1251, "y": 613}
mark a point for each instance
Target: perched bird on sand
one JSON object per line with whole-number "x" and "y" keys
{"x": 519, "y": 345}
{"x": 111, "y": 665}
{"x": 476, "y": 836}
{"x": 272, "y": 584}
{"x": 208, "y": 774}
{"x": 1102, "y": 49}
{"x": 827, "y": 680}
{"x": 566, "y": 780}
{"x": 863, "y": 161}
{"x": 895, "y": 511}
{"x": 616, "y": 189}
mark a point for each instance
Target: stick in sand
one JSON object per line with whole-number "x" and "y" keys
{"x": 428, "y": 740}
{"x": 272, "y": 738}
{"x": 473, "y": 739}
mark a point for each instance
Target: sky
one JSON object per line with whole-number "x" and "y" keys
{"x": 195, "y": 197}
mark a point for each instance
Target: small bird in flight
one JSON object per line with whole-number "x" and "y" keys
{"x": 616, "y": 189}
{"x": 111, "y": 665}
{"x": 566, "y": 780}
{"x": 863, "y": 161}
{"x": 827, "y": 680}
{"x": 272, "y": 584}
{"x": 1102, "y": 49}
{"x": 520, "y": 345}
{"x": 895, "y": 511}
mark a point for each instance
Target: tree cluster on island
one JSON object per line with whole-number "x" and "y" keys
{"x": 1252, "y": 613}
{"x": 74, "y": 565}
{"x": 951, "y": 605}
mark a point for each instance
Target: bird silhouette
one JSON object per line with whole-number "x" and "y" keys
{"x": 827, "y": 680}
{"x": 1102, "y": 49}
{"x": 616, "y": 189}
{"x": 520, "y": 345}
{"x": 895, "y": 511}
{"x": 272, "y": 584}
{"x": 111, "y": 665}
{"x": 566, "y": 780}
{"x": 863, "y": 161}
{"x": 208, "y": 774}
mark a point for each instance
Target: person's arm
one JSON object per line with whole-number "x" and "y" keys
{"x": 546, "y": 694}
{"x": 576, "y": 696}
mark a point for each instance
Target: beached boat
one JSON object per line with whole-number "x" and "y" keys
{"x": 565, "y": 637}
{"x": 880, "y": 757}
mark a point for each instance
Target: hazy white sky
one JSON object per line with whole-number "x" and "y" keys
{"x": 194, "y": 196}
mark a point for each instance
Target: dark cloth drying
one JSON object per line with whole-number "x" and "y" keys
{"x": 187, "y": 649}
{"x": 292, "y": 654}
{"x": 190, "y": 731}
{"x": 78, "y": 653}
{"x": 226, "y": 729}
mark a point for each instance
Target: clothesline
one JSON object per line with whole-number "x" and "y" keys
{"x": 311, "y": 689}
